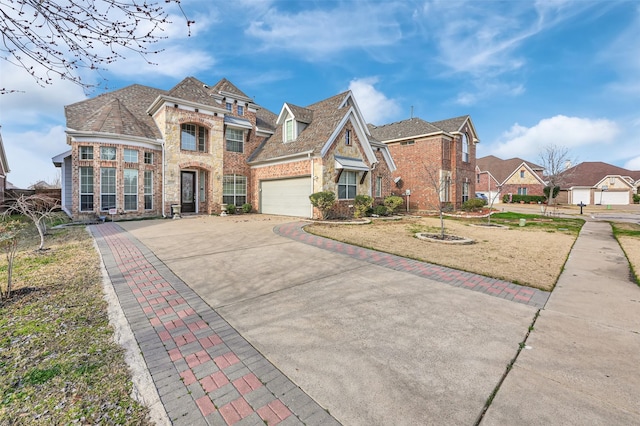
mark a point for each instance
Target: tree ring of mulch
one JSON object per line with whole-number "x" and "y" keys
{"x": 489, "y": 225}
{"x": 448, "y": 238}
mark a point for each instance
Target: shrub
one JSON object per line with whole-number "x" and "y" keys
{"x": 392, "y": 202}
{"x": 361, "y": 204}
{"x": 636, "y": 198}
{"x": 525, "y": 198}
{"x": 380, "y": 210}
{"x": 231, "y": 208}
{"x": 323, "y": 201}
{"x": 473, "y": 204}
{"x": 247, "y": 207}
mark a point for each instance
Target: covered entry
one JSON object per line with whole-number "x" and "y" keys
{"x": 287, "y": 197}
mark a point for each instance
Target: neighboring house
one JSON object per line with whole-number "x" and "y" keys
{"x": 322, "y": 147}
{"x": 139, "y": 151}
{"x": 596, "y": 182}
{"x": 4, "y": 169}
{"x": 496, "y": 177}
{"x": 435, "y": 161}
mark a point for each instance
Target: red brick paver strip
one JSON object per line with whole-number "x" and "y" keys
{"x": 200, "y": 377}
{"x": 491, "y": 286}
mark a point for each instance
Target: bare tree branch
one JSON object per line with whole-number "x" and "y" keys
{"x": 38, "y": 208}
{"x": 555, "y": 160}
{"x": 65, "y": 36}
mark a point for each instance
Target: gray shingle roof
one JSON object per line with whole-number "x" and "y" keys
{"x": 326, "y": 117}
{"x": 122, "y": 111}
{"x": 451, "y": 125}
{"x": 266, "y": 119}
{"x": 403, "y": 129}
{"x": 303, "y": 115}
{"x": 225, "y": 85}
{"x": 502, "y": 169}
{"x": 193, "y": 90}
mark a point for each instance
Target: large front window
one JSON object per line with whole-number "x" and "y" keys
{"x": 234, "y": 190}
{"x": 130, "y": 189}
{"x": 194, "y": 138}
{"x": 347, "y": 185}
{"x": 107, "y": 188}
{"x": 235, "y": 140}
{"x": 148, "y": 190}
{"x": 86, "y": 188}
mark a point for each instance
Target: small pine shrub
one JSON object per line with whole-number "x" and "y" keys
{"x": 247, "y": 207}
{"x": 231, "y": 208}
{"x": 392, "y": 202}
{"x": 361, "y": 204}
{"x": 473, "y": 204}
{"x": 380, "y": 210}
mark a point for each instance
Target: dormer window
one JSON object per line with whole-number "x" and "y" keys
{"x": 288, "y": 130}
{"x": 347, "y": 137}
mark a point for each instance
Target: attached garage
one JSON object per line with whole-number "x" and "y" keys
{"x": 286, "y": 197}
{"x": 613, "y": 197}
{"x": 581, "y": 195}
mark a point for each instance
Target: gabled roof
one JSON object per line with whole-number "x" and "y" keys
{"x": 327, "y": 115}
{"x": 404, "y": 129}
{"x": 451, "y": 125}
{"x": 224, "y": 86}
{"x": 123, "y": 109}
{"x": 501, "y": 169}
{"x": 193, "y": 90}
{"x": 589, "y": 173}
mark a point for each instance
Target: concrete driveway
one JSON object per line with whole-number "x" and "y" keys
{"x": 370, "y": 344}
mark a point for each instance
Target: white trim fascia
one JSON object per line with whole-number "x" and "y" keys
{"x": 290, "y": 158}
{"x": 357, "y": 110}
{"x": 236, "y": 97}
{"x": 426, "y": 135}
{"x": 265, "y": 132}
{"x": 57, "y": 160}
{"x": 362, "y": 137}
{"x": 526, "y": 167}
{"x": 281, "y": 117}
{"x": 618, "y": 177}
{"x": 99, "y": 137}
{"x": 164, "y": 99}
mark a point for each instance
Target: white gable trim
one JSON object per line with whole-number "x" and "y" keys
{"x": 356, "y": 110}
{"x": 605, "y": 181}
{"x": 359, "y": 128}
{"x": 285, "y": 112}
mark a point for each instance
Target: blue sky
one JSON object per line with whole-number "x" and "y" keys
{"x": 529, "y": 73}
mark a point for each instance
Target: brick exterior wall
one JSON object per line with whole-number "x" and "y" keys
{"x": 528, "y": 181}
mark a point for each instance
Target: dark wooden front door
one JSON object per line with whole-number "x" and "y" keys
{"x": 188, "y": 191}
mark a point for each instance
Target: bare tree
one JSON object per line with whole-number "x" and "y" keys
{"x": 69, "y": 35}
{"x": 439, "y": 182}
{"x": 556, "y": 161}
{"x": 10, "y": 232}
{"x": 38, "y": 208}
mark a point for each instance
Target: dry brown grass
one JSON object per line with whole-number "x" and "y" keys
{"x": 629, "y": 239}
{"x": 532, "y": 255}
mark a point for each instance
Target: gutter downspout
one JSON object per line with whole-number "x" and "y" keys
{"x": 164, "y": 186}
{"x": 312, "y": 180}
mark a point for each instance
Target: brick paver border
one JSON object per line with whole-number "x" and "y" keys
{"x": 491, "y": 286}
{"x": 204, "y": 370}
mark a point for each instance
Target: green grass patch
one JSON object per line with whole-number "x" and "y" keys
{"x": 626, "y": 229}
{"x": 565, "y": 225}
{"x": 59, "y": 363}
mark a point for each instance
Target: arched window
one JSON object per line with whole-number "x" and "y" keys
{"x": 465, "y": 148}
{"x": 194, "y": 137}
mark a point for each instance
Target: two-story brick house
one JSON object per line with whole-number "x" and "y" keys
{"x": 435, "y": 161}
{"x": 138, "y": 151}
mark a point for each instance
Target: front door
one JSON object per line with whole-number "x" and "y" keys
{"x": 188, "y": 191}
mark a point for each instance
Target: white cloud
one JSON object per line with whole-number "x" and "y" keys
{"x": 573, "y": 133}
{"x": 374, "y": 105}
{"x": 318, "y": 34}
{"x": 29, "y": 154}
{"x": 633, "y": 164}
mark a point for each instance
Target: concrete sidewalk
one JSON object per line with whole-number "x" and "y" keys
{"x": 580, "y": 364}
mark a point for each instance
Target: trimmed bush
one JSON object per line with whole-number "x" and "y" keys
{"x": 361, "y": 204}
{"x": 473, "y": 204}
{"x": 636, "y": 198}
{"x": 380, "y": 210}
{"x": 247, "y": 207}
{"x": 231, "y": 208}
{"x": 323, "y": 201}
{"x": 525, "y": 198}
{"x": 392, "y": 202}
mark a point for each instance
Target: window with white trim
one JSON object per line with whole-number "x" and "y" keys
{"x": 234, "y": 190}
{"x": 148, "y": 190}
{"x": 445, "y": 186}
{"x": 228, "y": 106}
{"x": 107, "y": 188}
{"x": 465, "y": 148}
{"x": 522, "y": 191}
{"x": 235, "y": 140}
{"x": 148, "y": 157}
{"x": 108, "y": 153}
{"x": 347, "y": 137}
{"x": 379, "y": 186}
{"x": 347, "y": 185}
{"x": 521, "y": 174}
{"x": 130, "y": 189}
{"x": 86, "y": 189}
{"x": 240, "y": 110}
{"x": 194, "y": 137}
{"x": 86, "y": 153}
{"x": 202, "y": 180}
{"x": 130, "y": 155}
{"x": 288, "y": 130}
{"x": 465, "y": 191}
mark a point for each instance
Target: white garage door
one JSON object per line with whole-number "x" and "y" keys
{"x": 617, "y": 198}
{"x": 581, "y": 196}
{"x": 287, "y": 197}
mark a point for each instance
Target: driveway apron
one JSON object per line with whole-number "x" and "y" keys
{"x": 385, "y": 341}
